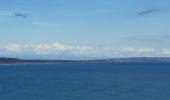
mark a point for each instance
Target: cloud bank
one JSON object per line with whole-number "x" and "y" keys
{"x": 43, "y": 48}
{"x": 58, "y": 49}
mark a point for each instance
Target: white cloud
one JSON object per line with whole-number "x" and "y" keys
{"x": 146, "y": 50}
{"x": 12, "y": 48}
{"x": 44, "y": 48}
{"x": 71, "y": 50}
{"x": 139, "y": 50}
{"x": 165, "y": 52}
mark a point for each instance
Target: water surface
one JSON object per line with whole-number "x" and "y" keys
{"x": 85, "y": 81}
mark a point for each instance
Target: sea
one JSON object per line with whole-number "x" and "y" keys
{"x": 85, "y": 81}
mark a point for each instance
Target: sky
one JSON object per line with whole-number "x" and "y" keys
{"x": 84, "y": 29}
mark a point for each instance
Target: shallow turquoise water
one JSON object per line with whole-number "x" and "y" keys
{"x": 83, "y": 81}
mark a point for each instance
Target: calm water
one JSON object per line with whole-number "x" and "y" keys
{"x": 106, "y": 81}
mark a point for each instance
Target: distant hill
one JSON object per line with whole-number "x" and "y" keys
{"x": 120, "y": 60}
{"x": 135, "y": 59}
{"x": 9, "y": 60}
{"x": 4, "y": 60}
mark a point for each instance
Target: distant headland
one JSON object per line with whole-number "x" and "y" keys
{"x": 4, "y": 60}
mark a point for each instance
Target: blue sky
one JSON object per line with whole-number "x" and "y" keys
{"x": 84, "y": 28}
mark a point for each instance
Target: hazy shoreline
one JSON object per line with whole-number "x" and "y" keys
{"x": 14, "y": 61}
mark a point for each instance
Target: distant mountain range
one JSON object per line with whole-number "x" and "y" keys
{"x": 120, "y": 60}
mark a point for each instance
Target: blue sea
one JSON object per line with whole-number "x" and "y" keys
{"x": 85, "y": 81}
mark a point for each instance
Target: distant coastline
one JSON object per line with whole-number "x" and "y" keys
{"x": 4, "y": 60}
